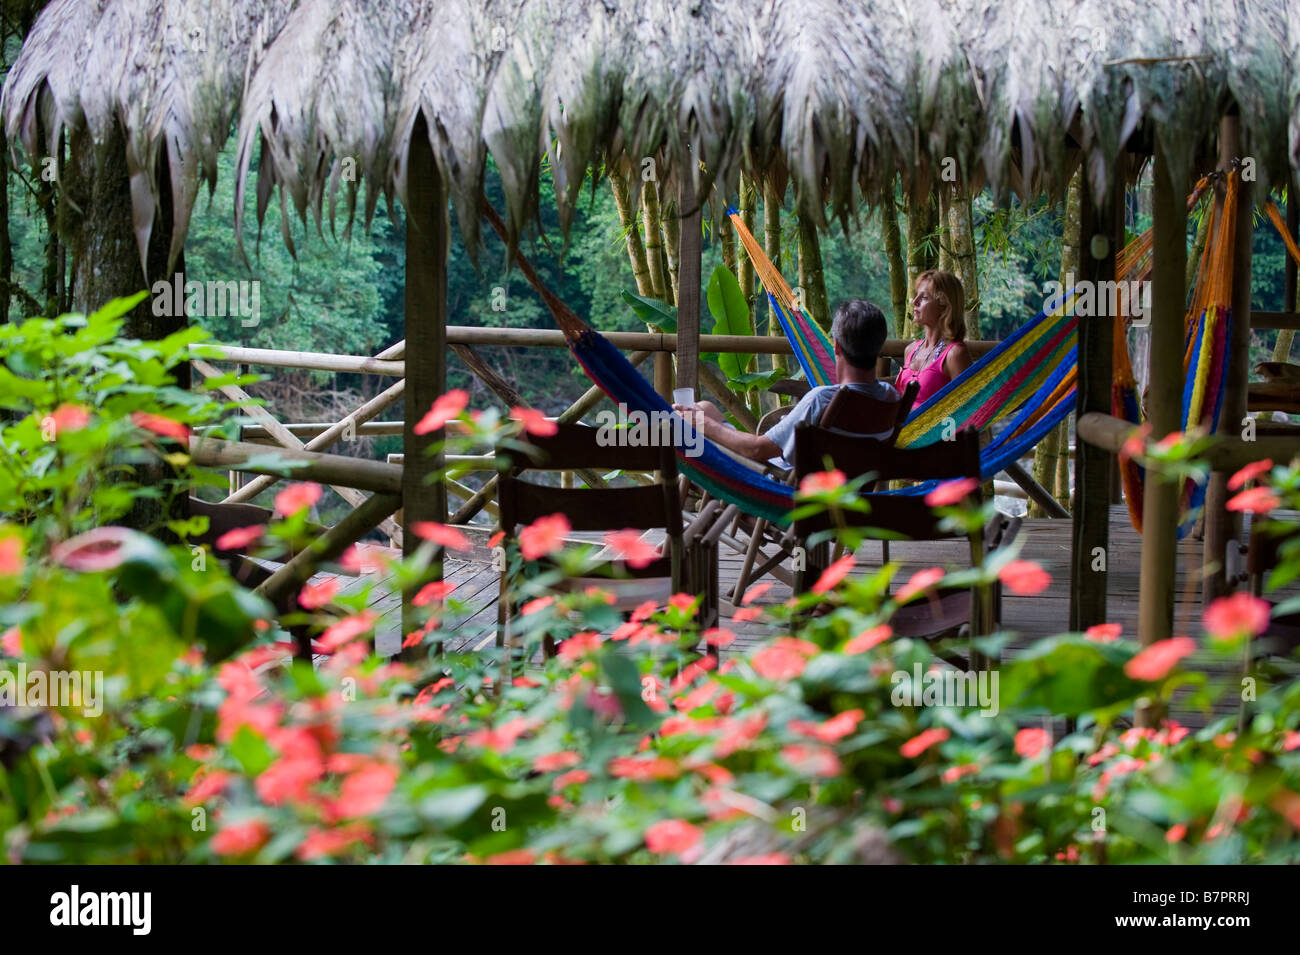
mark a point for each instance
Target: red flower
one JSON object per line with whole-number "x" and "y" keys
{"x": 289, "y": 779}
{"x": 1135, "y": 444}
{"x": 833, "y": 574}
{"x": 240, "y": 537}
{"x": 922, "y": 741}
{"x": 1235, "y": 616}
{"x": 1104, "y": 632}
{"x": 630, "y": 546}
{"x": 1158, "y": 659}
{"x": 1257, "y": 500}
{"x": 920, "y": 581}
{"x": 1176, "y": 833}
{"x": 951, "y": 492}
{"x": 69, "y": 417}
{"x": 350, "y": 560}
{"x": 550, "y": 762}
{"x": 11, "y": 642}
{"x": 437, "y": 590}
{"x": 496, "y": 538}
{"x": 297, "y": 497}
{"x": 346, "y": 630}
{"x": 535, "y": 422}
{"x": 833, "y": 729}
{"x": 536, "y": 606}
{"x": 954, "y": 773}
{"x": 211, "y": 784}
{"x": 868, "y": 639}
{"x": 11, "y": 555}
{"x": 672, "y": 836}
{"x": 1025, "y": 577}
{"x": 682, "y": 602}
{"x": 442, "y": 534}
{"x": 241, "y": 838}
{"x": 512, "y": 857}
{"x": 783, "y": 659}
{"x": 1291, "y": 741}
{"x": 718, "y": 637}
{"x": 643, "y": 768}
{"x": 579, "y": 645}
{"x": 160, "y": 425}
{"x": 320, "y": 843}
{"x": 1030, "y": 742}
{"x": 771, "y": 858}
{"x": 813, "y": 760}
{"x": 315, "y": 596}
{"x": 444, "y": 409}
{"x": 364, "y": 791}
{"x": 574, "y": 777}
{"x": 821, "y": 482}
{"x": 745, "y": 614}
{"x": 1249, "y": 473}
{"x": 754, "y": 592}
{"x": 103, "y": 548}
{"x": 543, "y": 536}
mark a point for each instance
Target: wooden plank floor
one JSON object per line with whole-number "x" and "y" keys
{"x": 1028, "y": 618}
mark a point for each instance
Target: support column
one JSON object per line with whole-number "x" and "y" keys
{"x": 688, "y": 283}
{"x": 1101, "y": 234}
{"x": 1164, "y": 403}
{"x": 1221, "y": 525}
{"x": 426, "y": 348}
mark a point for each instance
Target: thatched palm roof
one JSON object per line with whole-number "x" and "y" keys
{"x": 841, "y": 94}
{"x": 169, "y": 71}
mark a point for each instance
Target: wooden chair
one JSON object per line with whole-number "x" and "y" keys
{"x": 680, "y": 567}
{"x": 850, "y": 411}
{"x": 904, "y": 517}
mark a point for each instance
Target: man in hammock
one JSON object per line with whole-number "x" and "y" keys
{"x": 858, "y": 331}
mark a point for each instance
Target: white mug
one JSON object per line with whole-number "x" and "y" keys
{"x": 684, "y": 397}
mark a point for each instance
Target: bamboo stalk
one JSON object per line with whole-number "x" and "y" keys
{"x": 332, "y": 469}
{"x": 628, "y": 218}
{"x": 748, "y": 202}
{"x": 654, "y": 243}
{"x": 772, "y": 246}
{"x": 812, "y": 276}
{"x": 670, "y": 219}
{"x": 894, "y": 255}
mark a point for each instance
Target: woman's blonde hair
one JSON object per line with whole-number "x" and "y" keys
{"x": 947, "y": 288}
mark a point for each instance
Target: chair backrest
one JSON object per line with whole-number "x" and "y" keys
{"x": 860, "y": 413}
{"x": 590, "y": 509}
{"x": 816, "y": 449}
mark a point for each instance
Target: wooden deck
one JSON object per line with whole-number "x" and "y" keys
{"x": 1046, "y": 541}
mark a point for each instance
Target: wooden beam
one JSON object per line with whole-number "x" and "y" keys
{"x": 689, "y": 278}
{"x": 423, "y": 499}
{"x": 1222, "y": 525}
{"x": 1036, "y": 492}
{"x": 1164, "y": 404}
{"x": 1229, "y": 453}
{"x": 332, "y": 469}
{"x": 317, "y": 361}
{"x": 1101, "y": 234}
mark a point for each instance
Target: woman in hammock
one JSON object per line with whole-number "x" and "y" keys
{"x": 939, "y": 307}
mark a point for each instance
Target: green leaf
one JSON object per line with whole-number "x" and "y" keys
{"x": 730, "y": 314}
{"x": 449, "y": 807}
{"x": 1070, "y": 675}
{"x": 659, "y": 315}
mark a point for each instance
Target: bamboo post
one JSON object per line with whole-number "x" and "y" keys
{"x": 333, "y": 469}
{"x": 1101, "y": 234}
{"x": 1164, "y": 407}
{"x": 772, "y": 246}
{"x": 1285, "y": 336}
{"x": 688, "y": 303}
{"x": 426, "y": 340}
{"x": 1222, "y": 525}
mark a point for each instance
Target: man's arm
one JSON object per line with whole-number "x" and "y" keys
{"x": 756, "y": 447}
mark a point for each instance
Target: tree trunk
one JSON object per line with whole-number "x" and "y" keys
{"x": 894, "y": 254}
{"x": 628, "y": 218}
{"x": 772, "y": 246}
{"x": 727, "y": 235}
{"x": 748, "y": 202}
{"x": 654, "y": 242}
{"x": 961, "y": 237}
{"x": 812, "y": 277}
{"x": 671, "y": 220}
{"x": 945, "y": 198}
{"x": 106, "y": 265}
{"x": 922, "y": 250}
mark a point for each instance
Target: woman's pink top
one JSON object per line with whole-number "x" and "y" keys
{"x": 932, "y": 377}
